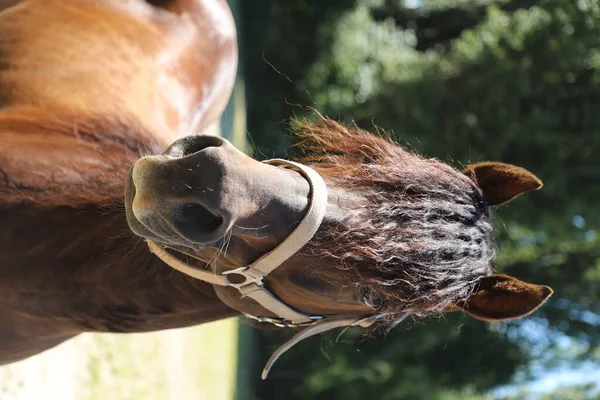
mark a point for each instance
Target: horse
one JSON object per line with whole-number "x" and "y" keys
{"x": 86, "y": 86}
{"x": 119, "y": 217}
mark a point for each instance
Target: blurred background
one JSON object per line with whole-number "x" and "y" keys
{"x": 515, "y": 81}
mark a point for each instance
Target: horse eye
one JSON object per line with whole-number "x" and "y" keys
{"x": 372, "y": 299}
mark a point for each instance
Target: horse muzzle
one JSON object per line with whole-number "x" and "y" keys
{"x": 178, "y": 197}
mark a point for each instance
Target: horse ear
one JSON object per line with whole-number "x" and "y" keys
{"x": 502, "y": 297}
{"x": 502, "y": 182}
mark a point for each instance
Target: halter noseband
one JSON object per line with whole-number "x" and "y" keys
{"x": 252, "y": 286}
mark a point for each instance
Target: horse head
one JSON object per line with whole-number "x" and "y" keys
{"x": 400, "y": 235}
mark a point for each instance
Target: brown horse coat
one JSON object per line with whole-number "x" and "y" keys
{"x": 86, "y": 86}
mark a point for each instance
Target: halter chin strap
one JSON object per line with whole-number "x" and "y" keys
{"x": 252, "y": 285}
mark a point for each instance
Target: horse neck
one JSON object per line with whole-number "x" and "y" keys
{"x": 83, "y": 265}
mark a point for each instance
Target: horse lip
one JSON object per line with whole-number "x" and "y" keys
{"x": 132, "y": 221}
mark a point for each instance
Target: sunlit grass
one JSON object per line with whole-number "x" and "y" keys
{"x": 191, "y": 363}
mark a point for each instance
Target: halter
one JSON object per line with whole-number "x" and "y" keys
{"x": 252, "y": 285}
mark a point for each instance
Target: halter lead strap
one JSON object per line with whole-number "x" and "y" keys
{"x": 321, "y": 327}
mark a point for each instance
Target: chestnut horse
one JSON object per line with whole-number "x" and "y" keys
{"x": 92, "y": 89}
{"x": 85, "y": 85}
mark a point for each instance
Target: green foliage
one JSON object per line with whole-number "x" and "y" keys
{"x": 514, "y": 81}
{"x": 280, "y": 43}
{"x": 519, "y": 87}
{"x": 418, "y": 361}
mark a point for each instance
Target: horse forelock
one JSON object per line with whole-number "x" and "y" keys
{"x": 422, "y": 233}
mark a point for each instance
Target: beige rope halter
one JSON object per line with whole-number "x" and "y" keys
{"x": 253, "y": 274}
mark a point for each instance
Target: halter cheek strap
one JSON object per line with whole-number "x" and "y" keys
{"x": 252, "y": 285}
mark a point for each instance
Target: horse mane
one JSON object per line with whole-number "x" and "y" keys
{"x": 423, "y": 232}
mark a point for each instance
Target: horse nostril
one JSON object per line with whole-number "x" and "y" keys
{"x": 192, "y": 144}
{"x": 168, "y": 5}
{"x": 194, "y": 222}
